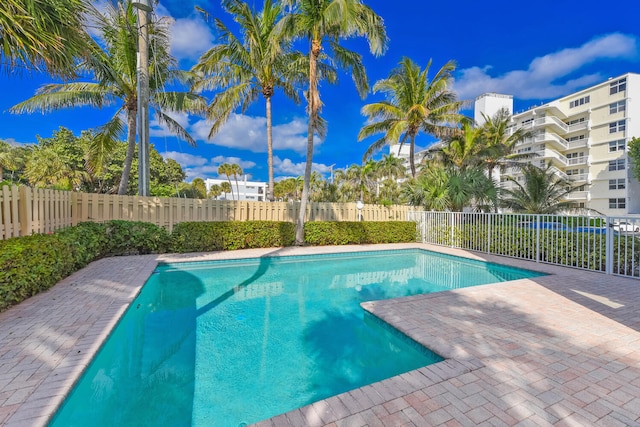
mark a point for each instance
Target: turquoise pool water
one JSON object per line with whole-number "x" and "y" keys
{"x": 232, "y": 342}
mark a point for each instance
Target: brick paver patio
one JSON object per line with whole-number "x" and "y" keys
{"x": 562, "y": 349}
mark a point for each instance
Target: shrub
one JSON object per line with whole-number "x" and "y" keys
{"x": 31, "y": 264}
{"x": 219, "y": 236}
{"x": 135, "y": 238}
{"x": 348, "y": 233}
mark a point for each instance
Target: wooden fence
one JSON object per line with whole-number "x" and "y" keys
{"x": 25, "y": 211}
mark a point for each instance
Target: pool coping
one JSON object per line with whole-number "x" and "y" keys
{"x": 48, "y": 340}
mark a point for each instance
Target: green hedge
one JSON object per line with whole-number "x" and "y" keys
{"x": 220, "y": 236}
{"x": 350, "y": 233}
{"x": 31, "y": 264}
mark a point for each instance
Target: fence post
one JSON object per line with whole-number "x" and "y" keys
{"x": 608, "y": 247}
{"x": 451, "y": 227}
{"x": 537, "y": 238}
{"x": 24, "y": 207}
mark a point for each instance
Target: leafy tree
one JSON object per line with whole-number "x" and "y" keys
{"x": 634, "y": 155}
{"x": 256, "y": 63}
{"x": 329, "y": 21}
{"x": 43, "y": 34}
{"x": 12, "y": 158}
{"x": 363, "y": 179}
{"x": 111, "y": 62}
{"x": 413, "y": 104}
{"x": 199, "y": 188}
{"x": 543, "y": 192}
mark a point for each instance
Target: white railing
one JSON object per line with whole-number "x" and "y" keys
{"x": 597, "y": 243}
{"x": 581, "y": 160}
{"x": 552, "y": 137}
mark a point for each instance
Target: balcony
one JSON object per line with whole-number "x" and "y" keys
{"x": 580, "y": 143}
{"x": 578, "y": 196}
{"x": 582, "y": 160}
{"x": 555, "y": 157}
{"x": 553, "y": 139}
{"x": 579, "y": 178}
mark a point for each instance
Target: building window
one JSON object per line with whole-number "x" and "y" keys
{"x": 578, "y": 102}
{"x": 524, "y": 122}
{"x": 618, "y": 126}
{"x": 617, "y": 107}
{"x": 619, "y": 203}
{"x": 575, "y": 155}
{"x": 616, "y": 165}
{"x": 617, "y": 184}
{"x": 618, "y": 145}
{"x": 617, "y": 86}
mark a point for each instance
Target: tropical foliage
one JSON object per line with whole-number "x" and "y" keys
{"x": 543, "y": 192}
{"x": 256, "y": 63}
{"x": 326, "y": 22}
{"x": 413, "y": 104}
{"x": 111, "y": 64}
{"x": 42, "y": 35}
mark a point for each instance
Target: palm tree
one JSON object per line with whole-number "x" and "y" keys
{"x": 226, "y": 169}
{"x": 215, "y": 191}
{"x": 47, "y": 168}
{"x": 362, "y": 178}
{"x": 236, "y": 171}
{"x": 330, "y": 20}
{"x": 462, "y": 150}
{"x": 543, "y": 192}
{"x": 500, "y": 142}
{"x": 414, "y": 104}
{"x": 45, "y": 34}
{"x": 257, "y": 63}
{"x": 113, "y": 69}
{"x": 390, "y": 170}
{"x": 226, "y": 188}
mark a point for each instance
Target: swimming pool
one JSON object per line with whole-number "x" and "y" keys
{"x": 230, "y": 342}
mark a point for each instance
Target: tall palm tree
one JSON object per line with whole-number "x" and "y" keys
{"x": 543, "y": 192}
{"x": 236, "y": 171}
{"x": 43, "y": 34}
{"x": 256, "y": 63}
{"x": 500, "y": 142}
{"x": 113, "y": 69}
{"x": 362, "y": 178}
{"x": 330, "y": 20}
{"x": 462, "y": 150}
{"x": 226, "y": 169}
{"x": 413, "y": 104}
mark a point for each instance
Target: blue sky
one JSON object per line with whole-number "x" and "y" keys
{"x": 535, "y": 52}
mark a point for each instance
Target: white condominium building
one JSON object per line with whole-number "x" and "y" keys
{"x": 252, "y": 191}
{"x": 584, "y": 137}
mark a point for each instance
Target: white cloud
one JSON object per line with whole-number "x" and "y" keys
{"x": 289, "y": 168}
{"x": 537, "y": 82}
{"x": 201, "y": 167}
{"x": 190, "y": 37}
{"x": 250, "y": 133}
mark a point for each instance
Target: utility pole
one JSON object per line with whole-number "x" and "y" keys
{"x": 144, "y": 9}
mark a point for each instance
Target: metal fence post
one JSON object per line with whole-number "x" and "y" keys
{"x": 538, "y": 238}
{"x": 608, "y": 248}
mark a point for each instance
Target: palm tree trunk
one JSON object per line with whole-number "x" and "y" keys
{"x": 314, "y": 106}
{"x": 269, "y": 149}
{"x": 230, "y": 186}
{"x": 131, "y": 149}
{"x": 235, "y": 177}
{"x": 412, "y": 162}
